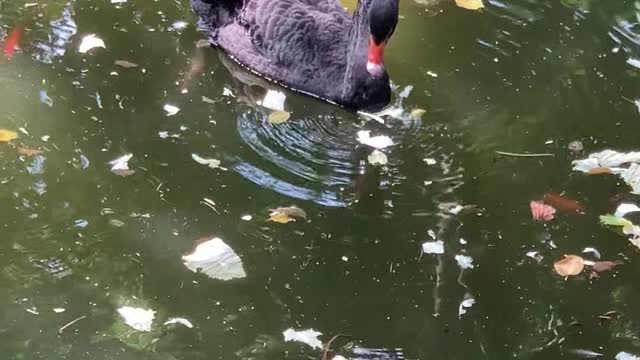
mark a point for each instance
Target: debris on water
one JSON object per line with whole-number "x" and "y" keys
{"x": 284, "y": 215}
{"x": 377, "y": 142}
{"x": 375, "y": 117}
{"x": 45, "y": 99}
{"x": 431, "y": 234}
{"x": 465, "y": 262}
{"x": 470, "y": 4}
{"x": 208, "y": 100}
{"x": 116, "y": 223}
{"x": 377, "y": 157}
{"x": 624, "y": 209}
{"x": 590, "y": 250}
{"x": 12, "y": 42}
{"x": 246, "y": 217}
{"x": 179, "y": 25}
{"x": 63, "y": 328}
{"x": 624, "y": 165}
{"x": 45, "y": 138}
{"x": 417, "y": 113}
{"x": 212, "y": 163}
{"x": 628, "y": 228}
{"x": 626, "y": 356}
{"x": 138, "y": 318}
{"x": 180, "y": 321}
{"x": 59, "y": 310}
{"x": 430, "y": 161}
{"x": 120, "y": 166}
{"x": 215, "y": 259}
{"x": 125, "y": 64}
{"x": 166, "y": 135}
{"x": 53, "y": 266}
{"x": 569, "y": 266}
{"x": 344, "y": 258}
{"x": 279, "y": 117}
{"x": 464, "y": 305}
{"x": 575, "y": 146}
{"x": 535, "y": 255}
{"x": 433, "y": 247}
{"x": 227, "y": 92}
{"x": 29, "y": 152}
{"x": 587, "y": 354}
{"x": 81, "y": 223}
{"x": 171, "y": 110}
{"x": 273, "y": 100}
{"x": 7, "y": 135}
{"x": 32, "y": 311}
{"x": 541, "y": 211}
{"x": 564, "y": 203}
{"x": 309, "y": 337}
{"x": 89, "y": 42}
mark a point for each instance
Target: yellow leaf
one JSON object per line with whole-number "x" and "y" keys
{"x": 417, "y": 113}
{"x": 281, "y": 218}
{"x": 278, "y": 117}
{"x": 470, "y": 4}
{"x": 7, "y": 135}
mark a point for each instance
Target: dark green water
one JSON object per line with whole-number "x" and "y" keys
{"x": 521, "y": 76}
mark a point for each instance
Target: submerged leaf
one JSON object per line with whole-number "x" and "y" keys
{"x": 215, "y": 259}
{"x": 601, "y": 266}
{"x": 470, "y": 4}
{"x": 284, "y": 215}
{"x": 28, "y": 151}
{"x": 564, "y": 203}
{"x": 279, "y": 117}
{"x": 7, "y": 135}
{"x": 541, "y": 211}
{"x": 569, "y": 266}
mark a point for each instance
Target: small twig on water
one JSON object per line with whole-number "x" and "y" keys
{"x": 327, "y": 346}
{"x": 71, "y": 323}
{"x": 523, "y": 154}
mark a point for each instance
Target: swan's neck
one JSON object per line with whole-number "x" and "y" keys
{"x": 358, "y": 43}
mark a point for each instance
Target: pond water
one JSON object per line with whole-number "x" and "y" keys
{"x": 81, "y": 244}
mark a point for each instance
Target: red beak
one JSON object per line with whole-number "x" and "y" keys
{"x": 375, "y": 65}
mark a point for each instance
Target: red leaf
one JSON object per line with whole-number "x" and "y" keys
{"x": 11, "y": 43}
{"x": 564, "y": 203}
{"x": 541, "y": 211}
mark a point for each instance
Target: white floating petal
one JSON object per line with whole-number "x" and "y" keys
{"x": 309, "y": 337}
{"x": 215, "y": 259}
{"x": 433, "y": 247}
{"x": 89, "y": 42}
{"x": 138, "y": 318}
{"x": 171, "y": 109}
{"x": 378, "y": 142}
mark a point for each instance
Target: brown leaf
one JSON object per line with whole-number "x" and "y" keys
{"x": 599, "y": 170}
{"x": 569, "y": 266}
{"x": 601, "y": 266}
{"x": 123, "y": 172}
{"x": 28, "y": 151}
{"x": 281, "y": 218}
{"x": 564, "y": 203}
{"x": 541, "y": 211}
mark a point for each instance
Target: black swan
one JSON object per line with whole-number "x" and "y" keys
{"x": 311, "y": 46}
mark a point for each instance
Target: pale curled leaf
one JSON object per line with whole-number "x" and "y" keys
{"x": 89, "y": 42}
{"x": 284, "y": 215}
{"x": 279, "y": 117}
{"x": 212, "y": 163}
{"x": 309, "y": 337}
{"x": 470, "y": 4}
{"x": 215, "y": 259}
{"x": 138, "y": 318}
{"x": 180, "y": 321}
{"x": 569, "y": 266}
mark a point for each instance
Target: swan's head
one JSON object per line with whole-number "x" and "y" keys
{"x": 383, "y": 18}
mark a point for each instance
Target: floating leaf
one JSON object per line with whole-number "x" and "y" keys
{"x": 433, "y": 247}
{"x": 28, "y": 151}
{"x": 378, "y": 142}
{"x": 417, "y": 113}
{"x": 180, "y": 321}
{"x": 7, "y": 135}
{"x": 599, "y": 170}
{"x": 612, "y": 220}
{"x": 89, "y": 42}
{"x": 632, "y": 177}
{"x": 309, "y": 337}
{"x": 284, "y": 215}
{"x": 215, "y": 259}
{"x": 138, "y": 318}
{"x": 273, "y": 100}
{"x": 564, "y": 203}
{"x": 464, "y": 305}
{"x": 377, "y": 157}
{"x": 120, "y": 166}
{"x": 470, "y": 4}
{"x": 212, "y": 163}
{"x": 569, "y": 266}
{"x": 465, "y": 262}
{"x": 125, "y": 64}
{"x": 624, "y": 209}
{"x": 541, "y": 211}
{"x": 171, "y": 110}
{"x": 279, "y": 117}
